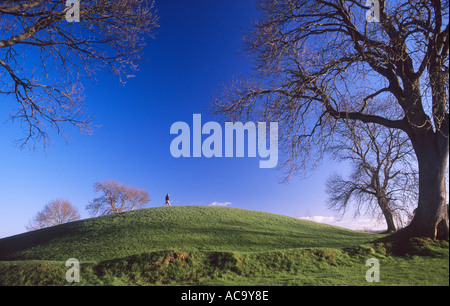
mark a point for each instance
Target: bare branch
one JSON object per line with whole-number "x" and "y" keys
{"x": 56, "y": 212}
{"x": 110, "y": 35}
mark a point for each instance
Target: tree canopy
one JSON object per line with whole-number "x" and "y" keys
{"x": 116, "y": 198}
{"x": 55, "y": 212}
{"x": 46, "y": 57}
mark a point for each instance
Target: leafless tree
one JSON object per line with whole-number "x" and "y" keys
{"x": 45, "y": 59}
{"x": 56, "y": 212}
{"x": 116, "y": 198}
{"x": 383, "y": 182}
{"x": 320, "y": 61}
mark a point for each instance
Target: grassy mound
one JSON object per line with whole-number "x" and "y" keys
{"x": 189, "y": 228}
{"x": 215, "y": 246}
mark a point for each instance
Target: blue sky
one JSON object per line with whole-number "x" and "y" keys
{"x": 196, "y": 50}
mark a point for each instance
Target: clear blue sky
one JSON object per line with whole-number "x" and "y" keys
{"x": 195, "y": 51}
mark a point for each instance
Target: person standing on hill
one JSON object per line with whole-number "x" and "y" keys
{"x": 167, "y": 200}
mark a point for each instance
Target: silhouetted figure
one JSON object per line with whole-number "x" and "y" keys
{"x": 167, "y": 200}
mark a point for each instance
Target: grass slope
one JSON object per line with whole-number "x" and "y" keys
{"x": 189, "y": 228}
{"x": 215, "y": 246}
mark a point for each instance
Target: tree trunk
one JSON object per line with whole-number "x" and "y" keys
{"x": 431, "y": 217}
{"x": 388, "y": 215}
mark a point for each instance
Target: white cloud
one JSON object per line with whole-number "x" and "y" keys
{"x": 220, "y": 204}
{"x": 363, "y": 224}
{"x": 320, "y": 219}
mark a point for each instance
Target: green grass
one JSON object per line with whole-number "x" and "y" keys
{"x": 215, "y": 246}
{"x": 189, "y": 228}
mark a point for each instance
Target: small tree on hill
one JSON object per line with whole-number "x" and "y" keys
{"x": 116, "y": 198}
{"x": 56, "y": 212}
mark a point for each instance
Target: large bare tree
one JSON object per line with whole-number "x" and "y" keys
{"x": 321, "y": 61}
{"x": 383, "y": 179}
{"x": 56, "y": 212}
{"x": 47, "y": 54}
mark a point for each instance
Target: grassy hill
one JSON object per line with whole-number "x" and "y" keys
{"x": 189, "y": 228}
{"x": 211, "y": 245}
